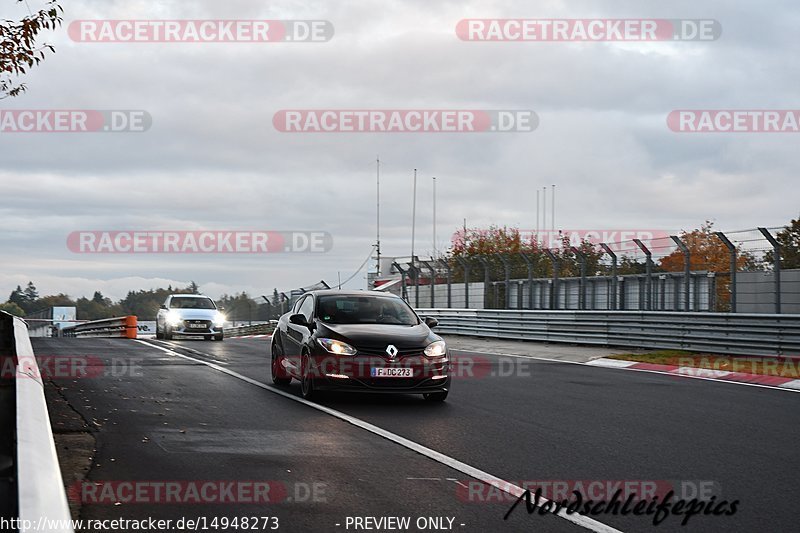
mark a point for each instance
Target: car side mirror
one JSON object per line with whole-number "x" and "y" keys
{"x": 298, "y": 319}
{"x": 220, "y": 308}
{"x": 431, "y": 322}
{"x": 162, "y": 306}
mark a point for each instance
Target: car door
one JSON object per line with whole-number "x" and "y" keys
{"x": 295, "y": 334}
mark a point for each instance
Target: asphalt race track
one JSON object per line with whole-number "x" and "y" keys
{"x": 192, "y": 411}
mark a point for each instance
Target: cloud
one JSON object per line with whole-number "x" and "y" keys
{"x": 212, "y": 158}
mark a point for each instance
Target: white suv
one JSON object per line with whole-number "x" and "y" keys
{"x": 189, "y": 314}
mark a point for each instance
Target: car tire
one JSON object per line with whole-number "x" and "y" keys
{"x": 159, "y": 335}
{"x": 306, "y": 381}
{"x": 167, "y": 335}
{"x": 279, "y": 375}
{"x": 435, "y": 396}
{"x": 219, "y": 337}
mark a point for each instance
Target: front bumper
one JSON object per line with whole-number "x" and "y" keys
{"x": 208, "y": 329}
{"x": 355, "y": 374}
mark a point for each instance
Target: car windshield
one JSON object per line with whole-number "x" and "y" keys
{"x": 365, "y": 310}
{"x": 191, "y": 303}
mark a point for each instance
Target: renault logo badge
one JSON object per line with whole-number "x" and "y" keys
{"x": 392, "y": 351}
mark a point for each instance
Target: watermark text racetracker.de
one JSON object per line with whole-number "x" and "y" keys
{"x": 46, "y": 367}
{"x": 734, "y": 121}
{"x": 74, "y": 121}
{"x": 404, "y": 121}
{"x": 618, "y": 240}
{"x": 200, "y": 31}
{"x": 201, "y": 492}
{"x": 199, "y": 242}
{"x": 588, "y": 30}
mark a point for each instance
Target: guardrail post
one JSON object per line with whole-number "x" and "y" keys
{"x": 433, "y": 281}
{"x": 613, "y": 256}
{"x": 776, "y": 266}
{"x": 554, "y": 289}
{"x": 449, "y": 271}
{"x": 732, "y": 251}
{"x": 648, "y": 273}
{"x": 529, "y": 265}
{"x": 687, "y": 270}
{"x": 403, "y": 291}
{"x": 507, "y": 268}
{"x": 582, "y": 287}
{"x": 466, "y": 267}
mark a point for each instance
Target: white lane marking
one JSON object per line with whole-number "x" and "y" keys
{"x": 514, "y": 490}
{"x": 181, "y": 347}
{"x": 614, "y": 363}
{"x": 628, "y": 369}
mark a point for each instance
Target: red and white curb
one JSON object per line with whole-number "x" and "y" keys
{"x": 702, "y": 373}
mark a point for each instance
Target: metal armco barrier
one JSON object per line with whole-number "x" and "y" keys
{"x": 126, "y": 327}
{"x": 38, "y": 489}
{"x": 742, "y": 334}
{"x": 255, "y": 329}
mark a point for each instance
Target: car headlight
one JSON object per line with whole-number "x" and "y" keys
{"x": 174, "y": 318}
{"x": 336, "y": 347}
{"x": 436, "y": 349}
{"x": 219, "y": 320}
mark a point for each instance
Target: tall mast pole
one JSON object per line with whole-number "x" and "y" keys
{"x": 434, "y": 217}
{"x": 414, "y": 217}
{"x": 378, "y": 212}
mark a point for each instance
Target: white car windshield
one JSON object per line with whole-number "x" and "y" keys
{"x": 192, "y": 303}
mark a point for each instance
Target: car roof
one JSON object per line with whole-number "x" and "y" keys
{"x": 192, "y": 296}
{"x": 336, "y": 292}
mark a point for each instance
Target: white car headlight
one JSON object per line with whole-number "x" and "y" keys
{"x": 174, "y": 318}
{"x": 219, "y": 320}
{"x": 336, "y": 347}
{"x": 436, "y": 349}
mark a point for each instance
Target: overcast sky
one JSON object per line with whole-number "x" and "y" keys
{"x": 213, "y": 160}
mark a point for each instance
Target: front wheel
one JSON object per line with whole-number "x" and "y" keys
{"x": 159, "y": 335}
{"x": 219, "y": 337}
{"x": 279, "y": 375}
{"x": 167, "y": 334}
{"x": 307, "y": 381}
{"x": 435, "y": 396}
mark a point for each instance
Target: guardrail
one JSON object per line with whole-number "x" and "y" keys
{"x": 255, "y": 329}
{"x": 125, "y": 327}
{"x": 40, "y": 494}
{"x": 743, "y": 334}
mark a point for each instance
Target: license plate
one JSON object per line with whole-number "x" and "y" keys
{"x": 392, "y": 373}
{"x": 197, "y": 326}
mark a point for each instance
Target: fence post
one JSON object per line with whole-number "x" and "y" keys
{"x": 732, "y": 250}
{"x": 554, "y": 290}
{"x": 687, "y": 270}
{"x": 433, "y": 281}
{"x": 648, "y": 296}
{"x": 403, "y": 291}
{"x": 582, "y": 287}
{"x": 449, "y": 271}
{"x": 465, "y": 265}
{"x": 776, "y": 266}
{"x": 529, "y": 265}
{"x": 507, "y": 268}
{"x": 486, "y": 278}
{"x": 613, "y": 256}
{"x": 415, "y": 269}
